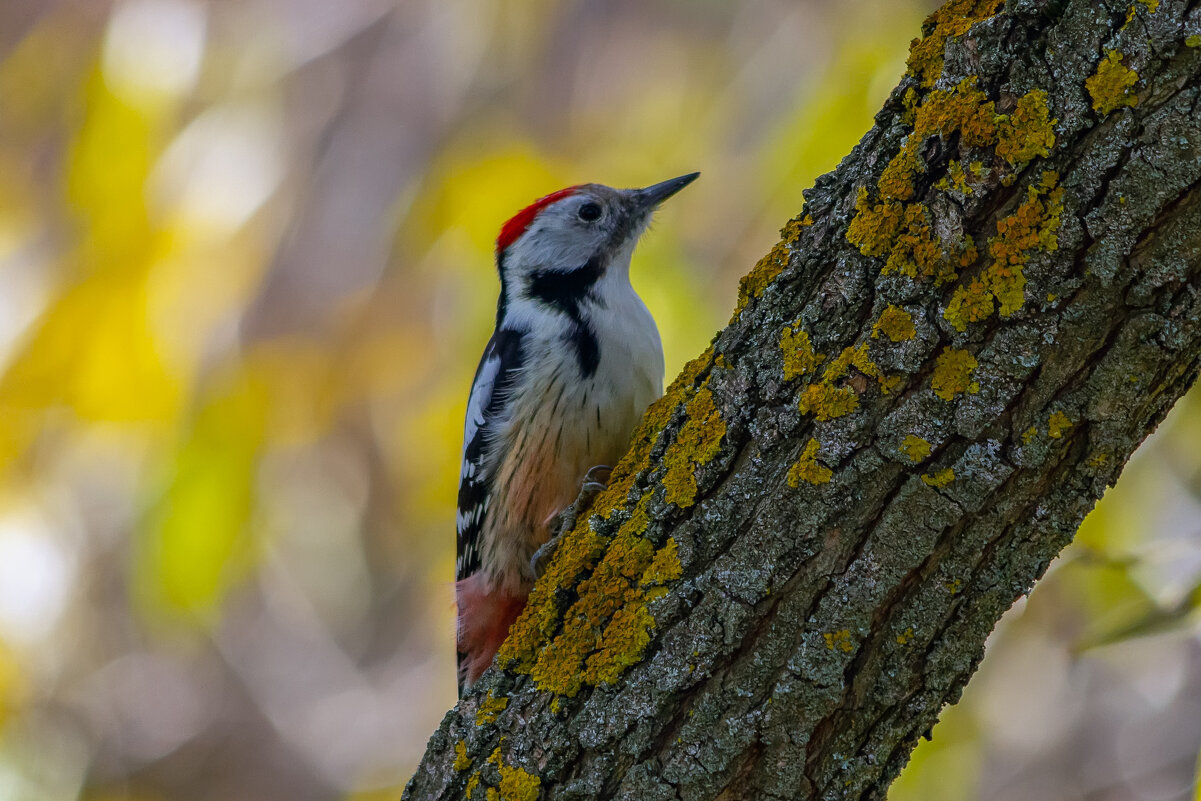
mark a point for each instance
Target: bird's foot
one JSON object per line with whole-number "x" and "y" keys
{"x": 596, "y": 480}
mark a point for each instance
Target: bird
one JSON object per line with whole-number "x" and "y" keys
{"x": 574, "y": 361}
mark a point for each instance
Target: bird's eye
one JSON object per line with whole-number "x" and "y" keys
{"x": 589, "y": 212}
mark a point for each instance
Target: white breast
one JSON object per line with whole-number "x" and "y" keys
{"x": 562, "y": 424}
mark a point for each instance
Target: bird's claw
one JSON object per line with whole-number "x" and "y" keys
{"x": 598, "y": 474}
{"x": 596, "y": 480}
{"x": 541, "y": 558}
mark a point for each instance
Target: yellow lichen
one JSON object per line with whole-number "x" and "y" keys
{"x": 916, "y": 448}
{"x": 874, "y": 228}
{"x": 953, "y": 586}
{"x": 940, "y": 478}
{"x": 1033, "y": 227}
{"x": 601, "y": 572}
{"x": 472, "y": 783}
{"x": 761, "y": 275}
{"x": 905, "y": 636}
{"x": 953, "y": 374}
{"x": 970, "y": 302}
{"x": 799, "y": 358}
{"x": 770, "y": 266}
{"x": 916, "y": 252}
{"x": 840, "y": 640}
{"x": 955, "y": 179}
{"x": 1193, "y": 41}
{"x": 462, "y": 761}
{"x": 826, "y": 402}
{"x": 807, "y": 468}
{"x": 559, "y": 666}
{"x": 965, "y": 109}
{"x": 515, "y": 783}
{"x": 852, "y": 356}
{"x": 607, "y": 628}
{"x": 622, "y": 645}
{"x": 1029, "y": 434}
{"x": 952, "y": 19}
{"x": 896, "y": 183}
{"x": 793, "y": 229}
{"x": 697, "y": 443}
{"x": 902, "y": 232}
{"x": 664, "y": 567}
{"x": 1110, "y": 85}
{"x": 894, "y": 323}
{"x": 1058, "y": 424}
{"x": 490, "y": 709}
{"x": 643, "y": 440}
{"x": 910, "y": 103}
{"x": 1027, "y": 133}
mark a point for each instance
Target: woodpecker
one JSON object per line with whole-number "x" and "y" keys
{"x": 573, "y": 363}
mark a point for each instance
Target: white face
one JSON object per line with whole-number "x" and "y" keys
{"x": 594, "y": 222}
{"x": 574, "y": 256}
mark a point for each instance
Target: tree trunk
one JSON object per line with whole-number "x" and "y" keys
{"x": 925, "y": 387}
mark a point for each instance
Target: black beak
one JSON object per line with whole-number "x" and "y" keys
{"x": 652, "y": 196}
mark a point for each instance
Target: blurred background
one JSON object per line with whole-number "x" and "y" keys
{"x": 245, "y": 276}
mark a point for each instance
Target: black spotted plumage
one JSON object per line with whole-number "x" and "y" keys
{"x": 493, "y": 380}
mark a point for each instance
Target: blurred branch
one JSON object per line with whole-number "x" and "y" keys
{"x": 926, "y": 385}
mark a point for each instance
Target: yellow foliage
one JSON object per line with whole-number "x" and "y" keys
{"x": 197, "y": 542}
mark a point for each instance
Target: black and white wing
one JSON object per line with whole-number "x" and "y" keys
{"x": 485, "y": 410}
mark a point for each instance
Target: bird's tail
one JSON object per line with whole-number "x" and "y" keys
{"x": 485, "y": 614}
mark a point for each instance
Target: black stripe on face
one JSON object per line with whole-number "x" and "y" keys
{"x": 566, "y": 292}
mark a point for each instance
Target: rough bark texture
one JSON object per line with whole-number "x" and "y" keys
{"x": 926, "y": 385}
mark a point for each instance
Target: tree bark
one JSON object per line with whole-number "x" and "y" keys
{"x": 925, "y": 387}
